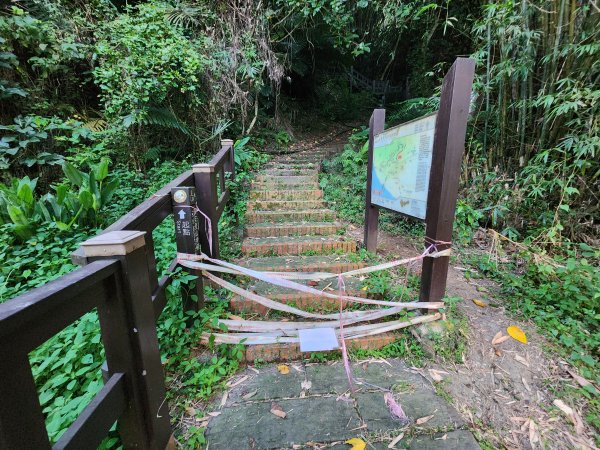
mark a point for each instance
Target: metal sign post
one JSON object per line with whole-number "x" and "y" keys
{"x": 410, "y": 173}
{"x": 187, "y": 237}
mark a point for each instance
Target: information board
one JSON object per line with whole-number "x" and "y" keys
{"x": 401, "y": 167}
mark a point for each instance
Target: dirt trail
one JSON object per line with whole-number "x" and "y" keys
{"x": 504, "y": 391}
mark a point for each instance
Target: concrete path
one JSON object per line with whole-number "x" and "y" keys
{"x": 321, "y": 413}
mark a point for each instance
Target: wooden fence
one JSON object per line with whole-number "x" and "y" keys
{"x": 120, "y": 280}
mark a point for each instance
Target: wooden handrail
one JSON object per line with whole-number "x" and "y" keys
{"x": 128, "y": 296}
{"x": 118, "y": 286}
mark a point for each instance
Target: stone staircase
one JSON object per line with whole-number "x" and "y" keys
{"x": 290, "y": 228}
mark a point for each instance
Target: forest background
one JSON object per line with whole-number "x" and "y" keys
{"x": 102, "y": 102}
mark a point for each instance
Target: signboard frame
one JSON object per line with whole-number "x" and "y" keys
{"x": 448, "y": 149}
{"x": 410, "y": 122}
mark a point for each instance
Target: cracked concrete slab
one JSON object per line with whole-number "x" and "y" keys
{"x": 253, "y": 426}
{"x": 416, "y": 405}
{"x": 320, "y": 415}
{"x": 455, "y": 440}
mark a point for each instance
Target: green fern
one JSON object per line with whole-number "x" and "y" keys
{"x": 163, "y": 117}
{"x": 185, "y": 15}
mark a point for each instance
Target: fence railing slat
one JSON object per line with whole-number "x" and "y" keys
{"x": 21, "y": 419}
{"x": 72, "y": 295}
{"x": 94, "y": 423}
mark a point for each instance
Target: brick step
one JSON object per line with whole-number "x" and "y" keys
{"x": 291, "y": 352}
{"x": 279, "y": 172}
{"x": 312, "y": 215}
{"x": 293, "y": 229}
{"x": 287, "y": 179}
{"x": 295, "y": 245}
{"x": 298, "y": 299}
{"x": 301, "y": 159}
{"x": 314, "y": 263}
{"x": 276, "y": 186}
{"x": 277, "y": 205}
{"x": 283, "y": 165}
{"x": 294, "y": 194}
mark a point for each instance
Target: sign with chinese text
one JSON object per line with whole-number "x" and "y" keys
{"x": 401, "y": 167}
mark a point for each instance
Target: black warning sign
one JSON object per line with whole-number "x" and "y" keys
{"x": 187, "y": 222}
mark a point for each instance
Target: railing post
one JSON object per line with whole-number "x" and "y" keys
{"x": 230, "y": 165}
{"x": 130, "y": 341}
{"x": 205, "y": 180}
{"x": 188, "y": 233}
{"x": 376, "y": 125}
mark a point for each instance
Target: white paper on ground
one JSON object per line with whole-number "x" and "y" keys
{"x": 317, "y": 339}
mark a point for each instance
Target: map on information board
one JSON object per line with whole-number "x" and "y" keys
{"x": 401, "y": 167}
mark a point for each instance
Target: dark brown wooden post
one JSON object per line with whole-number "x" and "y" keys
{"x": 376, "y": 126}
{"x": 21, "y": 419}
{"x": 189, "y": 229}
{"x": 205, "y": 179}
{"x": 130, "y": 341}
{"x": 230, "y": 163}
{"x": 448, "y": 148}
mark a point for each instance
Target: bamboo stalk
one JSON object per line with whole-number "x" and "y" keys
{"x": 292, "y": 337}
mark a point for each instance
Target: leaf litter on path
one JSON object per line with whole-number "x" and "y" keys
{"x": 357, "y": 444}
{"x": 517, "y": 334}
{"x": 499, "y": 338}
{"x": 277, "y": 410}
{"x": 395, "y": 409}
{"x": 395, "y": 441}
{"x": 424, "y": 420}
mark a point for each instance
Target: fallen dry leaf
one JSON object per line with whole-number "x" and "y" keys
{"x": 249, "y": 395}
{"x": 357, "y": 444}
{"x": 517, "y": 334}
{"x": 423, "y": 420}
{"x": 565, "y": 409}
{"x": 395, "y": 440}
{"x": 283, "y": 369}
{"x": 277, "y": 411}
{"x": 499, "y": 338}
{"x": 214, "y": 414}
{"x": 234, "y": 317}
{"x": 479, "y": 303}
{"x": 190, "y": 411}
{"x": 395, "y": 409}
{"x": 534, "y": 435}
{"x": 443, "y": 438}
{"x": 571, "y": 415}
{"x": 232, "y": 383}
{"x": 580, "y": 380}
{"x": 224, "y": 399}
{"x": 522, "y": 360}
{"x": 436, "y": 375}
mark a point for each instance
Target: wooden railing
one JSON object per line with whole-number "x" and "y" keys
{"x": 213, "y": 191}
{"x": 120, "y": 279}
{"x": 378, "y": 87}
